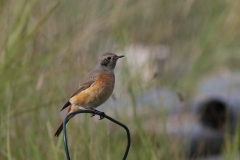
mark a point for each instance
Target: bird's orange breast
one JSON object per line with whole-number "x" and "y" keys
{"x": 97, "y": 93}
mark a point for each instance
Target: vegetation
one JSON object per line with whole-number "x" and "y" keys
{"x": 46, "y": 47}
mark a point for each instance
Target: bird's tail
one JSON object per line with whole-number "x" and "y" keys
{"x": 60, "y": 128}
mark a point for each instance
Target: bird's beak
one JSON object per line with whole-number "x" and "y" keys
{"x": 120, "y": 57}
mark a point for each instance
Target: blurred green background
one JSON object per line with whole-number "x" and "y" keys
{"x": 47, "y": 47}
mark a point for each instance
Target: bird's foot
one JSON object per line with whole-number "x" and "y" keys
{"x": 101, "y": 114}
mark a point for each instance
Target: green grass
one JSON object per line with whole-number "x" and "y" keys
{"x": 46, "y": 47}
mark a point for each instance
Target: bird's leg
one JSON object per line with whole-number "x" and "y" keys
{"x": 101, "y": 114}
{"x": 88, "y": 108}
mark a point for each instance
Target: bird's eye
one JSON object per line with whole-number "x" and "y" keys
{"x": 109, "y": 58}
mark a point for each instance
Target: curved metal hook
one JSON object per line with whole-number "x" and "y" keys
{"x": 89, "y": 111}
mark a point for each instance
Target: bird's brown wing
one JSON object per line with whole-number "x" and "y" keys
{"x": 87, "y": 82}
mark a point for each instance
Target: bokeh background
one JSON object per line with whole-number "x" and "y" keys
{"x": 170, "y": 48}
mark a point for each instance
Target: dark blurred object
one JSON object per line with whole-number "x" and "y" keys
{"x": 217, "y": 107}
{"x": 214, "y": 113}
{"x": 217, "y": 115}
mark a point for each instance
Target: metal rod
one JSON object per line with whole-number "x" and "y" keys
{"x": 89, "y": 111}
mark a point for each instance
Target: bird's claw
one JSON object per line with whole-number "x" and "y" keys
{"x": 101, "y": 114}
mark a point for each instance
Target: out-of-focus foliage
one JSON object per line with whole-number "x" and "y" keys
{"x": 46, "y": 47}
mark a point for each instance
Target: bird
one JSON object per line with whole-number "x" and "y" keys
{"x": 95, "y": 88}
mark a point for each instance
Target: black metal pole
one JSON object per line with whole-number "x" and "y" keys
{"x": 105, "y": 116}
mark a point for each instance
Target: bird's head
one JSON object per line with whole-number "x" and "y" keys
{"x": 108, "y": 61}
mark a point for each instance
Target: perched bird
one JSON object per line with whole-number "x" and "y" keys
{"x": 95, "y": 88}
